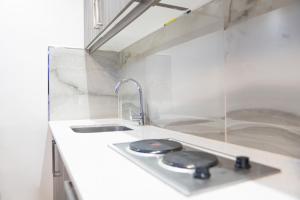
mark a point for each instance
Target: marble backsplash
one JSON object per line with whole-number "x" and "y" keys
{"x": 262, "y": 58}
{"x": 232, "y": 76}
{"x": 237, "y": 81}
{"x": 183, "y": 87}
{"x": 81, "y": 85}
{"x": 181, "y": 69}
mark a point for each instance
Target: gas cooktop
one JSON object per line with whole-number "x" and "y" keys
{"x": 190, "y": 169}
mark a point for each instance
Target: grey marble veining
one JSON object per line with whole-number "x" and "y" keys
{"x": 262, "y": 78}
{"x": 228, "y": 71}
{"x": 268, "y": 116}
{"x": 282, "y": 140}
{"x": 80, "y": 85}
{"x": 246, "y": 66}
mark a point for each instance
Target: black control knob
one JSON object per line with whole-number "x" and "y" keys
{"x": 242, "y": 162}
{"x": 202, "y": 173}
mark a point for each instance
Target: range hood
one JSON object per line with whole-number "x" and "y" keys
{"x": 140, "y": 19}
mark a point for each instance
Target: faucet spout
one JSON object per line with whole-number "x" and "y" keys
{"x": 141, "y": 116}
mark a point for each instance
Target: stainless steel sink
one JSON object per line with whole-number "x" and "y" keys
{"x": 104, "y": 128}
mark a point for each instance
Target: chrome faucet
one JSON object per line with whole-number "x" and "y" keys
{"x": 141, "y": 116}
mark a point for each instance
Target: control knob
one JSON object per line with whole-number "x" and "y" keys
{"x": 242, "y": 162}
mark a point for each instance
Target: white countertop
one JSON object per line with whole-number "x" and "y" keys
{"x": 98, "y": 172}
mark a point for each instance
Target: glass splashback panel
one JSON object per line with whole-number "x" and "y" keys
{"x": 236, "y": 67}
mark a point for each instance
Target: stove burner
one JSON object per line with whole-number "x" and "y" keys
{"x": 175, "y": 169}
{"x": 150, "y": 155}
{"x": 197, "y": 160}
{"x": 191, "y": 169}
{"x": 190, "y": 159}
{"x": 155, "y": 146}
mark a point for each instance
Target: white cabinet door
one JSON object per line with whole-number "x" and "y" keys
{"x": 58, "y": 174}
{"x": 62, "y": 186}
{"x": 100, "y": 13}
{"x": 112, "y": 8}
{"x": 93, "y": 16}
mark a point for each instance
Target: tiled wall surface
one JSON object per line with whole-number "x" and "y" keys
{"x": 80, "y": 85}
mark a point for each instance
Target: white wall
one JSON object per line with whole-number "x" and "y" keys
{"x": 65, "y": 23}
{"x": 26, "y": 30}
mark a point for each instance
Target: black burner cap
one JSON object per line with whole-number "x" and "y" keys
{"x": 190, "y": 159}
{"x": 155, "y": 146}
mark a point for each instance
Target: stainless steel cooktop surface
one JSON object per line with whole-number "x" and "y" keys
{"x": 189, "y": 173}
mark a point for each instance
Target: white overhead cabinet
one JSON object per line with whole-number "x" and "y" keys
{"x": 90, "y": 30}
{"x": 98, "y": 14}
{"x": 113, "y": 25}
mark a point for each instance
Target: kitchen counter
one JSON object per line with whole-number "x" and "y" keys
{"x": 98, "y": 172}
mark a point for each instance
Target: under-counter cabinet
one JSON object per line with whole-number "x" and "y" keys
{"x": 99, "y": 14}
{"x": 62, "y": 186}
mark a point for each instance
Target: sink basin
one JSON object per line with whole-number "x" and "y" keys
{"x": 103, "y": 128}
